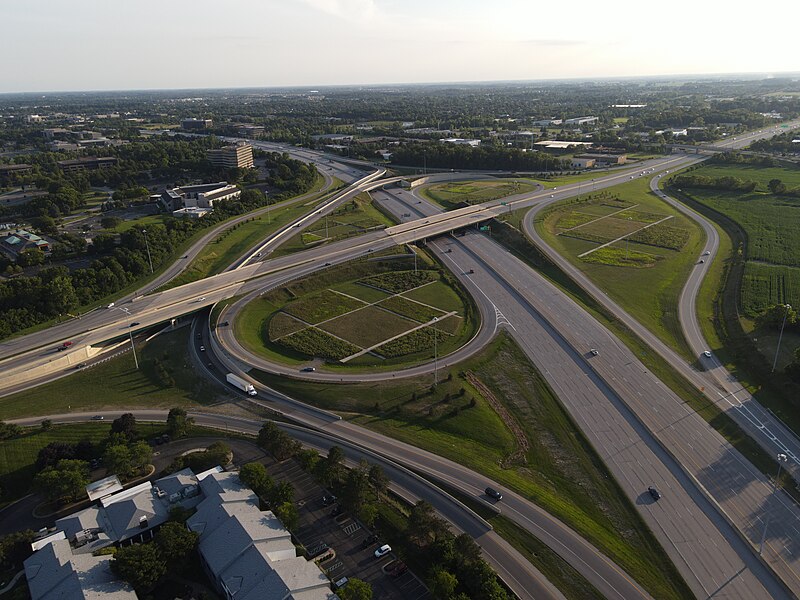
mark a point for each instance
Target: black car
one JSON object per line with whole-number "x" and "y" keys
{"x": 328, "y": 500}
{"x": 654, "y": 493}
{"x": 134, "y": 324}
{"x": 369, "y": 540}
{"x": 493, "y": 493}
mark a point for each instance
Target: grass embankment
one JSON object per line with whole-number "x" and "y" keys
{"x": 539, "y": 452}
{"x": 118, "y": 385}
{"x": 349, "y": 313}
{"x": 460, "y": 193}
{"x": 644, "y": 273}
{"x": 354, "y": 217}
{"x": 519, "y": 245}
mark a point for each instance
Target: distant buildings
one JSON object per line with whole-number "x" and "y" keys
{"x": 246, "y": 130}
{"x": 461, "y": 142}
{"x": 562, "y": 145}
{"x": 231, "y": 157}
{"x": 196, "y": 124}
{"x": 582, "y": 163}
{"x": 196, "y": 201}
{"x": 675, "y": 132}
{"x": 605, "y": 159}
{"x": 89, "y": 163}
{"x": 547, "y": 122}
{"x": 9, "y": 172}
{"x": 581, "y": 121}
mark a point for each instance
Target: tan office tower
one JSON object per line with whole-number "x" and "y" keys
{"x": 238, "y": 155}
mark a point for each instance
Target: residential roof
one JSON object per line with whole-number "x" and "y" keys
{"x": 55, "y": 573}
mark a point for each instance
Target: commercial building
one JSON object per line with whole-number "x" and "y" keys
{"x": 248, "y": 553}
{"x": 195, "y": 124}
{"x": 562, "y": 145}
{"x": 606, "y": 159}
{"x": 15, "y": 241}
{"x": 547, "y": 122}
{"x": 581, "y": 121}
{"x": 90, "y": 163}
{"x": 461, "y": 142}
{"x": 582, "y": 163}
{"x": 231, "y": 157}
{"x": 195, "y": 201}
{"x": 9, "y": 172}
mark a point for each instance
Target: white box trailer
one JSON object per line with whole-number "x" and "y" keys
{"x": 241, "y": 384}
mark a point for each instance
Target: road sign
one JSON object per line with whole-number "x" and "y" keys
{"x": 484, "y": 228}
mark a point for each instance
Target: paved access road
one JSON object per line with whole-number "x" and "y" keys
{"x": 522, "y": 577}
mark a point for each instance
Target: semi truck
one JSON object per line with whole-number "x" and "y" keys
{"x": 241, "y": 384}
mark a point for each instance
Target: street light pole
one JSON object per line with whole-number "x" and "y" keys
{"x": 780, "y": 337}
{"x": 147, "y": 245}
{"x": 782, "y": 458}
{"x": 135, "y": 360}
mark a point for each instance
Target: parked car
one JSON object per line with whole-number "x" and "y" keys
{"x": 328, "y": 500}
{"x": 493, "y": 493}
{"x": 371, "y": 539}
{"x": 383, "y": 551}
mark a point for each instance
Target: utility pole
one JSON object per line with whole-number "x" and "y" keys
{"x": 780, "y": 337}
{"x": 135, "y": 360}
{"x": 782, "y": 458}
{"x": 435, "y": 354}
{"x": 147, "y": 245}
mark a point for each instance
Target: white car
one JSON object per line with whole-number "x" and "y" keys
{"x": 707, "y": 353}
{"x": 383, "y": 550}
{"x": 706, "y": 253}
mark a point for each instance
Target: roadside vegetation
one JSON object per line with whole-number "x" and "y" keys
{"x": 464, "y": 193}
{"x": 495, "y": 414}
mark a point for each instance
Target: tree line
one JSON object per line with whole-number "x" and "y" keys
{"x": 459, "y": 156}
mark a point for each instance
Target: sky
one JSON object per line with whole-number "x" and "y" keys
{"x": 58, "y": 45}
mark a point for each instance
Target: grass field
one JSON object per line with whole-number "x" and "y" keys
{"x": 355, "y": 217}
{"x": 117, "y": 384}
{"x": 644, "y": 272}
{"x": 559, "y": 470}
{"x": 338, "y": 313}
{"x": 460, "y": 193}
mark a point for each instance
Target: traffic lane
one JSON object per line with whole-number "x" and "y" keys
{"x": 618, "y": 440}
{"x": 688, "y": 437}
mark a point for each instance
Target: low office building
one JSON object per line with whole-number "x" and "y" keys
{"x": 90, "y": 163}
{"x": 605, "y": 159}
{"x": 562, "y": 144}
{"x": 461, "y": 142}
{"x": 10, "y": 172}
{"x": 56, "y": 572}
{"x": 581, "y": 121}
{"x": 582, "y": 163}
{"x": 15, "y": 241}
{"x": 196, "y": 124}
{"x": 232, "y": 157}
{"x": 248, "y": 553}
{"x": 201, "y": 197}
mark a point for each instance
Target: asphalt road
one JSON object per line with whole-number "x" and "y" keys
{"x": 524, "y": 579}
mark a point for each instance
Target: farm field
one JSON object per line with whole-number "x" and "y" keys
{"x": 533, "y": 448}
{"x": 634, "y": 246}
{"x": 353, "y": 318}
{"x": 457, "y": 193}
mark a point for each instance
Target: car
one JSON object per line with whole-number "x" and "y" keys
{"x": 340, "y": 583}
{"x": 308, "y": 369}
{"x": 327, "y": 264}
{"x": 493, "y": 493}
{"x": 707, "y": 353}
{"x": 654, "y": 493}
{"x": 98, "y": 418}
{"x": 201, "y": 298}
{"x": 328, "y": 500}
{"x": 134, "y": 324}
{"x": 110, "y": 305}
{"x": 382, "y": 551}
{"x": 369, "y": 540}
{"x": 398, "y": 569}
{"x": 706, "y": 253}
{"x": 80, "y": 366}
{"x": 224, "y": 324}
{"x": 202, "y": 348}
{"x": 552, "y": 196}
{"x": 701, "y": 261}
{"x": 594, "y": 352}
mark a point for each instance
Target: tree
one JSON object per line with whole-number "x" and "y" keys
{"x": 356, "y": 589}
{"x": 178, "y": 423}
{"x": 15, "y": 548}
{"x": 118, "y": 460}
{"x": 175, "y": 542}
{"x": 466, "y": 550}
{"x": 125, "y": 424}
{"x": 47, "y": 425}
{"x": 443, "y": 583}
{"x": 66, "y": 480}
{"x": 331, "y": 469}
{"x": 287, "y": 513}
{"x": 9, "y": 430}
{"x": 378, "y": 480}
{"x": 54, "y": 452}
{"x": 109, "y": 222}
{"x": 776, "y": 186}
{"x": 775, "y": 314}
{"x": 141, "y": 455}
{"x": 277, "y": 442}
{"x": 141, "y": 565}
{"x": 254, "y": 475}
{"x": 278, "y": 494}
{"x": 30, "y": 258}
{"x": 424, "y": 527}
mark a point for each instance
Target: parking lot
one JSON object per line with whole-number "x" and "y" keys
{"x": 318, "y": 531}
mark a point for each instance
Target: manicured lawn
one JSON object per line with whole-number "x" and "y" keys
{"x": 141, "y": 222}
{"x": 116, "y": 384}
{"x": 368, "y": 326}
{"x": 457, "y": 193}
{"x": 644, "y": 273}
{"x": 559, "y": 471}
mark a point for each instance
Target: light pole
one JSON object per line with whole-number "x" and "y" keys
{"x": 782, "y": 458}
{"x": 780, "y": 337}
{"x": 147, "y": 245}
{"x": 435, "y": 354}
{"x": 135, "y": 360}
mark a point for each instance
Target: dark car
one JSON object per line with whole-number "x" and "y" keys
{"x": 134, "y": 324}
{"x": 654, "y": 493}
{"x": 369, "y": 540}
{"x": 328, "y": 500}
{"x": 493, "y": 493}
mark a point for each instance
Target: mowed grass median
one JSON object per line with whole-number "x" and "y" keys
{"x": 533, "y": 448}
